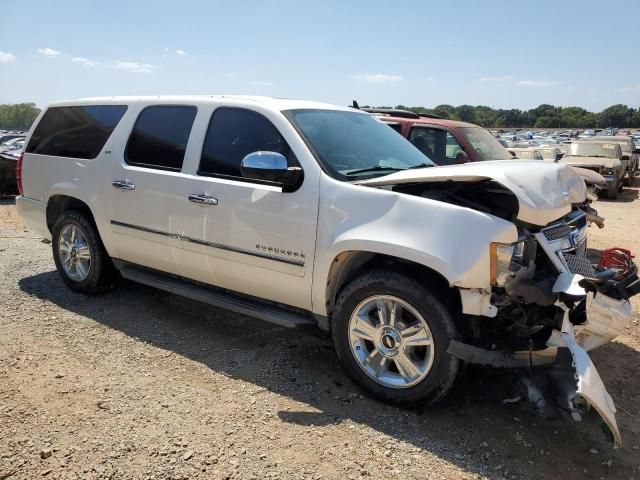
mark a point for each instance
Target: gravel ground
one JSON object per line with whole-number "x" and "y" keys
{"x": 136, "y": 383}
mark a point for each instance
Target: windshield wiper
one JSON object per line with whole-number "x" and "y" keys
{"x": 377, "y": 168}
{"x": 422, "y": 165}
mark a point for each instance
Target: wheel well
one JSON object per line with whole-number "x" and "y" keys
{"x": 348, "y": 265}
{"x": 61, "y": 203}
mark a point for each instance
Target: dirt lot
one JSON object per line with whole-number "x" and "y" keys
{"x": 136, "y": 383}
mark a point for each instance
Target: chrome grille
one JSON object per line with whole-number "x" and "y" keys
{"x": 578, "y": 222}
{"x": 556, "y": 232}
{"x": 578, "y": 264}
{"x": 581, "y": 248}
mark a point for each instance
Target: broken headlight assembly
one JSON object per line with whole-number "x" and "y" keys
{"x": 505, "y": 260}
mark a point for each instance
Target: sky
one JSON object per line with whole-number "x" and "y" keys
{"x": 504, "y": 54}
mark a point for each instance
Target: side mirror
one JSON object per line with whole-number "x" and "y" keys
{"x": 271, "y": 167}
{"x": 462, "y": 157}
{"x": 624, "y": 157}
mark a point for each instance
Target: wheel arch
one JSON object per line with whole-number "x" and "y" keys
{"x": 349, "y": 264}
{"x": 59, "y": 203}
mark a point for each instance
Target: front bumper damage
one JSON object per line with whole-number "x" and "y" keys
{"x": 569, "y": 307}
{"x": 606, "y": 317}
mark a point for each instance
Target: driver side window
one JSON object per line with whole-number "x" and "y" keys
{"x": 234, "y": 133}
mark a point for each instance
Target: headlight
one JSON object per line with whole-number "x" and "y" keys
{"x": 609, "y": 171}
{"x": 502, "y": 257}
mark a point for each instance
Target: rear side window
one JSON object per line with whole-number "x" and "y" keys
{"x": 160, "y": 136}
{"x": 234, "y": 133}
{"x": 77, "y": 132}
{"x": 396, "y": 126}
{"x": 439, "y": 145}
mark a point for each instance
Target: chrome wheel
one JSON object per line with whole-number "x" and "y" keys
{"x": 74, "y": 253}
{"x": 391, "y": 341}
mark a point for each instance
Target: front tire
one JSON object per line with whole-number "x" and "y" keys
{"x": 391, "y": 335}
{"x": 79, "y": 254}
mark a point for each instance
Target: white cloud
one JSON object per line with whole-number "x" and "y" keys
{"x": 84, "y": 61}
{"x": 503, "y": 78}
{"x": 261, "y": 84}
{"x": 133, "y": 67}
{"x": 49, "y": 52}
{"x": 376, "y": 78}
{"x": 6, "y": 57}
{"x": 629, "y": 89}
{"x": 181, "y": 52}
{"x": 536, "y": 83}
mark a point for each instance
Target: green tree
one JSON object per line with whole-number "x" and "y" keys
{"x": 446, "y": 111}
{"x": 616, "y": 116}
{"x": 18, "y": 117}
{"x": 466, "y": 113}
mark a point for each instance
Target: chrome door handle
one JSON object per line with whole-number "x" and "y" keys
{"x": 204, "y": 199}
{"x": 122, "y": 185}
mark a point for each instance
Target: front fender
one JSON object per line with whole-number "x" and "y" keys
{"x": 452, "y": 240}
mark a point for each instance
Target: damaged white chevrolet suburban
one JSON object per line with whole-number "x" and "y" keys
{"x": 306, "y": 214}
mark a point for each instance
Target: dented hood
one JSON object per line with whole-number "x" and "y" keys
{"x": 545, "y": 191}
{"x": 591, "y": 161}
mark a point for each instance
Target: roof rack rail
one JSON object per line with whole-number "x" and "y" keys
{"x": 393, "y": 112}
{"x": 396, "y": 112}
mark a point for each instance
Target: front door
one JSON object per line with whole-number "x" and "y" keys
{"x": 243, "y": 235}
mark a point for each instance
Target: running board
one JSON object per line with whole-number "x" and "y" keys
{"x": 217, "y": 298}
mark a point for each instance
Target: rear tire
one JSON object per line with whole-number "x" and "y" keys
{"x": 397, "y": 361}
{"x": 79, "y": 255}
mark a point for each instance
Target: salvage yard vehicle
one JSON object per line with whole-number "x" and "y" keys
{"x": 312, "y": 215}
{"x": 630, "y": 153}
{"x": 549, "y": 153}
{"x": 445, "y": 142}
{"x": 603, "y": 157}
{"x": 525, "y": 153}
{"x": 9, "y": 153}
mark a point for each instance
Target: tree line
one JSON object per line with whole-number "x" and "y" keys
{"x": 18, "y": 116}
{"x": 544, "y": 116}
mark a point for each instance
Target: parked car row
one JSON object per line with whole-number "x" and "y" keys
{"x": 11, "y": 145}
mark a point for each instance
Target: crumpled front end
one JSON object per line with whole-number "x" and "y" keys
{"x": 548, "y": 295}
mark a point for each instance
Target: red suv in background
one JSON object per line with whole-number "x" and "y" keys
{"x": 445, "y": 142}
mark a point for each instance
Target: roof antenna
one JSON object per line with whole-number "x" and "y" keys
{"x": 354, "y": 104}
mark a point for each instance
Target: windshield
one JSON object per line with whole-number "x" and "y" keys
{"x": 592, "y": 149}
{"x": 354, "y": 145}
{"x": 487, "y": 147}
{"x": 527, "y": 155}
{"x": 548, "y": 154}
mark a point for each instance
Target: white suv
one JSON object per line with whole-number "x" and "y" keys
{"x": 306, "y": 214}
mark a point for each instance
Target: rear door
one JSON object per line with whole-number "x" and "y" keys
{"x": 146, "y": 181}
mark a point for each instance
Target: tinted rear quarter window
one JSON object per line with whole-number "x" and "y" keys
{"x": 234, "y": 133}
{"x": 77, "y": 132}
{"x": 160, "y": 136}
